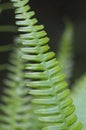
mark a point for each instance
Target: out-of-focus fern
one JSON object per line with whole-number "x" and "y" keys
{"x": 46, "y": 83}
{"x": 15, "y": 111}
{"x": 79, "y": 97}
{"x": 4, "y": 48}
{"x": 6, "y": 28}
{"x": 65, "y": 52}
{"x": 6, "y": 6}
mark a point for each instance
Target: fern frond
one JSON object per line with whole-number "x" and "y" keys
{"x": 79, "y": 97}
{"x": 65, "y": 53}
{"x": 44, "y": 78}
{"x": 15, "y": 111}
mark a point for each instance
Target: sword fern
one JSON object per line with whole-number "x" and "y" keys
{"x": 44, "y": 78}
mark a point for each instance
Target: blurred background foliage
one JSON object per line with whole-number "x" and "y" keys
{"x": 53, "y": 14}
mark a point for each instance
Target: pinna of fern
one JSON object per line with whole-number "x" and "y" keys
{"x": 78, "y": 94}
{"x": 45, "y": 80}
{"x": 14, "y": 107}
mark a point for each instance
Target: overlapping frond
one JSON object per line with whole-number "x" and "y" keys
{"x": 15, "y": 109}
{"x": 6, "y": 28}
{"x": 44, "y": 78}
{"x": 79, "y": 97}
{"x": 4, "y": 48}
{"x": 65, "y": 53}
{"x": 6, "y": 6}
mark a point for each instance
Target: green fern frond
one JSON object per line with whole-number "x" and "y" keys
{"x": 79, "y": 97}
{"x": 15, "y": 111}
{"x": 65, "y": 53}
{"x": 44, "y": 78}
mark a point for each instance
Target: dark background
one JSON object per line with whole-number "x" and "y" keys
{"x": 52, "y": 14}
